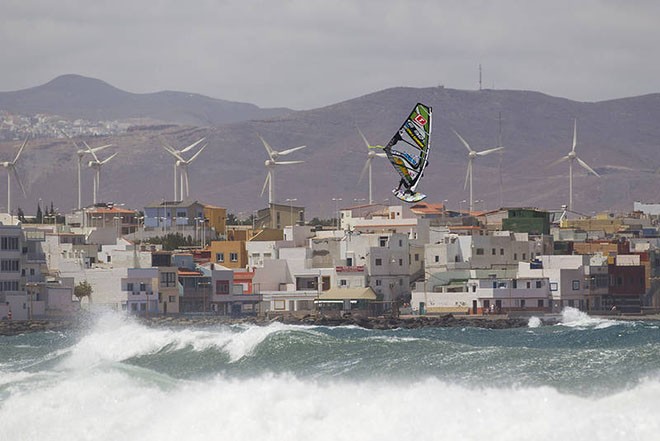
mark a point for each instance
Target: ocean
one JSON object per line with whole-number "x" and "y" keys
{"x": 117, "y": 379}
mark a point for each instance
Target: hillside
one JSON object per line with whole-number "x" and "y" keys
{"x": 618, "y": 138}
{"x": 74, "y": 96}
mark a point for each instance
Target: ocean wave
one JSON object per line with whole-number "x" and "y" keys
{"x": 575, "y": 318}
{"x": 115, "y": 405}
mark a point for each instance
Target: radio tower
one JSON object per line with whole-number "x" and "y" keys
{"x": 479, "y": 76}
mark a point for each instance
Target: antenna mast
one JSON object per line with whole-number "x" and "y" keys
{"x": 479, "y": 76}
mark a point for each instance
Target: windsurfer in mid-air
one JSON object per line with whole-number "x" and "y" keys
{"x": 408, "y": 152}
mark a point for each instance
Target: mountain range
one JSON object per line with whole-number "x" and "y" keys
{"x": 618, "y": 138}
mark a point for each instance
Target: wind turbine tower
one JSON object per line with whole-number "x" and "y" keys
{"x": 81, "y": 153}
{"x": 367, "y": 165}
{"x": 11, "y": 170}
{"x": 182, "y": 164}
{"x": 96, "y": 164}
{"x": 572, "y": 157}
{"x": 178, "y": 161}
{"x": 472, "y": 155}
{"x": 271, "y": 163}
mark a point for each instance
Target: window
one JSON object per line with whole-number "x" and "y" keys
{"x": 529, "y": 285}
{"x": 9, "y": 285}
{"x": 524, "y": 256}
{"x": 219, "y": 257}
{"x": 343, "y": 282}
{"x": 522, "y": 303}
{"x": 400, "y": 262}
{"x": 129, "y": 286}
{"x": 379, "y": 262}
{"x": 171, "y": 299}
{"x": 501, "y": 251}
{"x": 168, "y": 280}
{"x": 515, "y": 256}
{"x": 222, "y": 287}
{"x": 378, "y": 282}
{"x": 9, "y": 265}
{"x": 493, "y": 251}
{"x": 382, "y": 241}
{"x": 539, "y": 284}
{"x": 539, "y": 303}
{"x": 143, "y": 286}
{"x": 233, "y": 257}
{"x": 416, "y": 257}
{"x": 9, "y": 243}
{"x": 554, "y": 286}
{"x": 400, "y": 282}
{"x": 576, "y": 285}
{"x": 400, "y": 243}
{"x": 437, "y": 259}
{"x": 480, "y": 251}
{"x": 32, "y": 271}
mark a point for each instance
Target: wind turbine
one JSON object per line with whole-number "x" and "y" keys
{"x": 11, "y": 169}
{"x": 271, "y": 163}
{"x": 171, "y": 150}
{"x": 96, "y": 164}
{"x": 472, "y": 154}
{"x": 367, "y": 165}
{"x": 183, "y": 164}
{"x": 572, "y": 157}
{"x": 81, "y": 153}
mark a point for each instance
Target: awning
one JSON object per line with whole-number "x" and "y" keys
{"x": 348, "y": 294}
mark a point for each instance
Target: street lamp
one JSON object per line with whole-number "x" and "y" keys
{"x": 337, "y": 209}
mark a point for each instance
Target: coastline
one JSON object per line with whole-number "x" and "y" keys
{"x": 17, "y": 327}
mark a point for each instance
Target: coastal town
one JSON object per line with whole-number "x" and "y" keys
{"x": 186, "y": 257}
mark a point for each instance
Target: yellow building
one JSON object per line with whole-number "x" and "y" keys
{"x": 229, "y": 253}
{"x": 602, "y": 222}
{"x": 217, "y": 218}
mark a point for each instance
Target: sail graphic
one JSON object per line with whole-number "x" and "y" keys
{"x": 408, "y": 151}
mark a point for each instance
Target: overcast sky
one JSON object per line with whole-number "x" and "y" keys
{"x": 304, "y": 54}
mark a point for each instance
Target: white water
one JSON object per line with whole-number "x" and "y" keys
{"x": 92, "y": 394}
{"x": 112, "y": 406}
{"x": 577, "y": 319}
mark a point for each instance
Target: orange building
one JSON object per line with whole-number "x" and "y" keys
{"x": 229, "y": 253}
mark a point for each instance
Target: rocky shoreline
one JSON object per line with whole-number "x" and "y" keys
{"x": 16, "y": 327}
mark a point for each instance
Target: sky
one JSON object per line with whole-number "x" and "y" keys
{"x": 304, "y": 54}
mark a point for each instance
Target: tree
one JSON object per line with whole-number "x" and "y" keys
{"x": 83, "y": 289}
{"x": 40, "y": 216}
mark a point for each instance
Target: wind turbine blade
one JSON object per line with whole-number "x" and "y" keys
{"x": 381, "y": 155}
{"x": 191, "y": 146}
{"x": 109, "y": 158}
{"x": 197, "y": 154}
{"x": 558, "y": 161}
{"x": 287, "y": 162}
{"x": 586, "y": 166}
{"x": 18, "y": 179}
{"x": 574, "y": 135}
{"x": 174, "y": 153}
{"x": 467, "y": 175}
{"x": 267, "y": 146}
{"x": 286, "y": 152}
{"x": 364, "y": 138}
{"x": 489, "y": 151}
{"x": 263, "y": 189}
{"x": 467, "y": 146}
{"x": 21, "y": 149}
{"x": 89, "y": 149}
{"x": 98, "y": 149}
{"x": 364, "y": 169}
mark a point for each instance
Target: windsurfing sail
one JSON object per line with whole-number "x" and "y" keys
{"x": 408, "y": 151}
